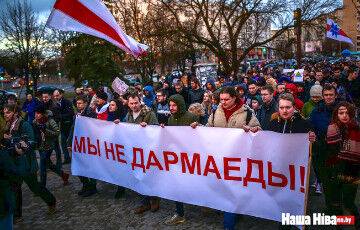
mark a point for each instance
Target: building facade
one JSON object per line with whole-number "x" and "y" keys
{"x": 350, "y": 22}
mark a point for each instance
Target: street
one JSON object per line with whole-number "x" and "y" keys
{"x": 102, "y": 211}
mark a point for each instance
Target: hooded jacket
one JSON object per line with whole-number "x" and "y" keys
{"x": 182, "y": 117}
{"x": 150, "y": 98}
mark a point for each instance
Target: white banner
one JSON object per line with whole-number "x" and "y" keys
{"x": 262, "y": 174}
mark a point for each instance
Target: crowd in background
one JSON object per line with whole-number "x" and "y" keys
{"x": 325, "y": 105}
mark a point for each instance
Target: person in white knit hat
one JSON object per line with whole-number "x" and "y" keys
{"x": 315, "y": 97}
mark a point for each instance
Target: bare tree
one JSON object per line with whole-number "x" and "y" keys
{"x": 231, "y": 29}
{"x": 23, "y": 35}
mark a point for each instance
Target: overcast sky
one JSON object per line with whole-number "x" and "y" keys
{"x": 43, "y": 7}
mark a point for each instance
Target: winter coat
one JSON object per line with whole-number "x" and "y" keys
{"x": 29, "y": 108}
{"x": 86, "y": 113}
{"x": 8, "y": 172}
{"x": 23, "y": 129}
{"x": 65, "y": 112}
{"x": 146, "y": 115}
{"x": 236, "y": 120}
{"x": 47, "y": 133}
{"x": 150, "y": 98}
{"x": 265, "y": 112}
{"x": 196, "y": 96}
{"x": 182, "y": 117}
{"x": 296, "y": 124}
{"x": 308, "y": 108}
{"x": 320, "y": 118}
{"x": 163, "y": 112}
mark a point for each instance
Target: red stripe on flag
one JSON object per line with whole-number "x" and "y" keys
{"x": 82, "y": 14}
{"x": 342, "y": 33}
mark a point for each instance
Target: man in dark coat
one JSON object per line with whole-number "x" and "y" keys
{"x": 268, "y": 108}
{"x": 196, "y": 93}
{"x": 66, "y": 114}
{"x": 88, "y": 184}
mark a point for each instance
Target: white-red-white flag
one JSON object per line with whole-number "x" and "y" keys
{"x": 333, "y": 31}
{"x": 92, "y": 17}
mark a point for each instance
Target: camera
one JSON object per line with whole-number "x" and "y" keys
{"x": 15, "y": 143}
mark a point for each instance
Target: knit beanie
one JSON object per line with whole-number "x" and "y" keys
{"x": 316, "y": 90}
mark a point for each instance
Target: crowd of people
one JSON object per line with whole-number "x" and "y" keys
{"x": 325, "y": 105}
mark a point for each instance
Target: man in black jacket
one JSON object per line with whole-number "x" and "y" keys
{"x": 89, "y": 184}
{"x": 287, "y": 120}
{"x": 66, "y": 114}
{"x": 196, "y": 93}
{"x": 269, "y": 106}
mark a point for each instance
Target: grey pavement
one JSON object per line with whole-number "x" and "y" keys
{"x": 102, "y": 211}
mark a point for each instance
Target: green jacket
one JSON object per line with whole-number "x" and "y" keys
{"x": 24, "y": 129}
{"x": 308, "y": 108}
{"x": 146, "y": 115}
{"x": 181, "y": 117}
{"x": 8, "y": 172}
{"x": 46, "y": 134}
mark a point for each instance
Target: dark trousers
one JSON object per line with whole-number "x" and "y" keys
{"x": 180, "y": 208}
{"x": 229, "y": 220}
{"x": 64, "y": 136}
{"x": 36, "y": 188}
{"x": 88, "y": 183}
{"x": 45, "y": 162}
{"x": 146, "y": 200}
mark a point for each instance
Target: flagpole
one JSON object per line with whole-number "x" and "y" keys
{"x": 340, "y": 48}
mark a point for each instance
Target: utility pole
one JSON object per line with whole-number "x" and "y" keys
{"x": 297, "y": 24}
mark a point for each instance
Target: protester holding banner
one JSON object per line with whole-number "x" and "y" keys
{"x": 102, "y": 105}
{"x": 88, "y": 184}
{"x": 343, "y": 138}
{"x": 143, "y": 115}
{"x": 288, "y": 119}
{"x": 162, "y": 107}
{"x": 179, "y": 117}
{"x": 232, "y": 113}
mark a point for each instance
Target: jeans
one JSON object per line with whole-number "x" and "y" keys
{"x": 45, "y": 162}
{"x": 36, "y": 188}
{"x": 64, "y": 136}
{"x": 6, "y": 223}
{"x": 229, "y": 220}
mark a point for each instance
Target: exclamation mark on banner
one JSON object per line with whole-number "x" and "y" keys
{"x": 292, "y": 177}
{"x": 302, "y": 179}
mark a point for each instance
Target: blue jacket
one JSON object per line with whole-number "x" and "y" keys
{"x": 320, "y": 118}
{"x": 150, "y": 98}
{"x": 29, "y": 108}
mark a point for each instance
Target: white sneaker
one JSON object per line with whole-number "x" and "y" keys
{"x": 318, "y": 189}
{"x": 314, "y": 184}
{"x": 175, "y": 220}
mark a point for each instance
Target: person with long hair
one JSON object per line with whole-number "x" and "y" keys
{"x": 343, "y": 139}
